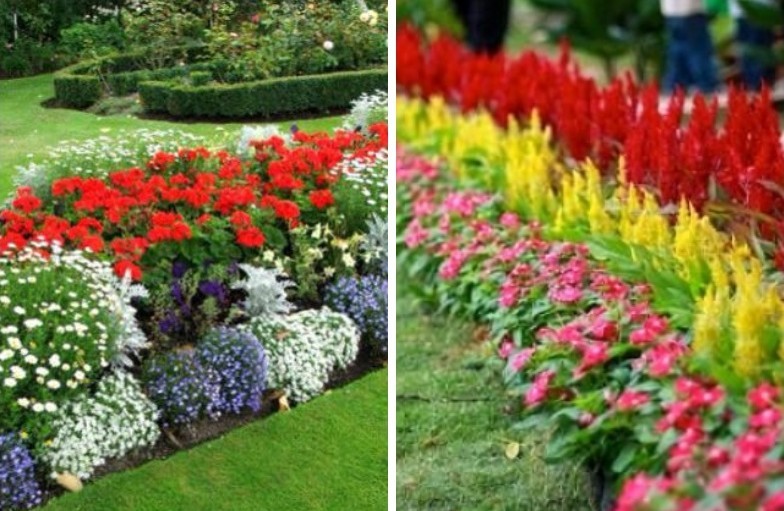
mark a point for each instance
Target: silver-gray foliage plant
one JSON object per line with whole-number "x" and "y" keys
{"x": 266, "y": 289}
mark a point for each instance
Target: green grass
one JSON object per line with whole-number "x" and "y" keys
{"x": 452, "y": 428}
{"x": 329, "y": 454}
{"x": 26, "y": 127}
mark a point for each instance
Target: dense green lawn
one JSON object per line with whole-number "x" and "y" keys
{"x": 452, "y": 429}
{"x": 26, "y": 127}
{"x": 329, "y": 454}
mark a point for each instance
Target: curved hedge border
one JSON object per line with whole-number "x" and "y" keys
{"x": 79, "y": 86}
{"x": 264, "y": 98}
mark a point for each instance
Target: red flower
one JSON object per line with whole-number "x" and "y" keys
{"x": 241, "y": 219}
{"x": 181, "y": 231}
{"x": 250, "y": 237}
{"x": 321, "y": 198}
{"x": 160, "y": 161}
{"x": 124, "y": 267}
{"x": 286, "y": 210}
{"x": 25, "y": 200}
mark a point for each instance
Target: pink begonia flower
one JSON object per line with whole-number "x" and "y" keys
{"x": 508, "y": 295}
{"x": 656, "y": 324}
{"x": 415, "y": 234}
{"x": 775, "y": 502}
{"x": 717, "y": 456}
{"x": 521, "y": 358}
{"x": 642, "y": 336}
{"x": 763, "y": 396}
{"x": 505, "y": 349}
{"x": 423, "y": 206}
{"x": 452, "y": 266}
{"x": 766, "y": 418}
{"x": 538, "y": 391}
{"x": 603, "y": 329}
{"x": 637, "y": 492}
{"x": 510, "y": 220}
{"x": 566, "y": 295}
{"x": 631, "y": 400}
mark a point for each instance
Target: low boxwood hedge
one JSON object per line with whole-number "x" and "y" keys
{"x": 266, "y": 98}
{"x": 81, "y": 85}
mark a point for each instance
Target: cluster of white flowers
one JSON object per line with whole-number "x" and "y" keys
{"x": 98, "y": 156}
{"x": 367, "y": 109}
{"x": 266, "y": 289}
{"x": 90, "y": 430}
{"x": 305, "y": 348}
{"x": 369, "y": 176}
{"x": 251, "y": 133}
{"x": 370, "y": 17}
{"x": 62, "y": 320}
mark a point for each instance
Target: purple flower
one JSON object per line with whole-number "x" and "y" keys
{"x": 214, "y": 289}
{"x": 18, "y": 487}
{"x": 178, "y": 269}
{"x": 239, "y": 364}
{"x": 365, "y": 300}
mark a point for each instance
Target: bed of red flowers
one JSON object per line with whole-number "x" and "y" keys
{"x": 588, "y": 356}
{"x": 736, "y": 165}
{"x": 195, "y": 205}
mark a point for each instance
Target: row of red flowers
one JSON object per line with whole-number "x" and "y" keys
{"x": 678, "y": 158}
{"x": 590, "y": 359}
{"x": 190, "y": 194}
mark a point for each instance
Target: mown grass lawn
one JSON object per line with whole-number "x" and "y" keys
{"x": 328, "y": 454}
{"x": 452, "y": 429}
{"x": 26, "y": 127}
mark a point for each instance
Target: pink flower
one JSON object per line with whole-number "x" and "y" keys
{"x": 566, "y": 295}
{"x": 452, "y": 266}
{"x": 603, "y": 330}
{"x": 538, "y": 391}
{"x": 637, "y": 492}
{"x": 510, "y": 220}
{"x": 521, "y": 358}
{"x": 505, "y": 349}
{"x": 631, "y": 400}
{"x": 415, "y": 234}
{"x": 508, "y": 295}
{"x": 585, "y": 419}
{"x": 765, "y": 419}
{"x": 763, "y": 396}
{"x": 775, "y": 502}
{"x": 656, "y": 324}
{"x": 642, "y": 336}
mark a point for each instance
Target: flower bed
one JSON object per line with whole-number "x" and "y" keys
{"x": 138, "y": 304}
{"x": 634, "y": 328}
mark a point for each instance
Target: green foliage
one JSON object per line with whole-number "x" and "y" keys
{"x": 77, "y": 91}
{"x": 268, "y": 98}
{"x": 199, "y": 78}
{"x": 88, "y": 40}
{"x": 27, "y": 57}
{"x": 619, "y": 27}
{"x": 434, "y": 12}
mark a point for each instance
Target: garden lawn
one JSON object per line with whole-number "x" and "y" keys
{"x": 330, "y": 453}
{"x": 26, "y": 127}
{"x": 452, "y": 429}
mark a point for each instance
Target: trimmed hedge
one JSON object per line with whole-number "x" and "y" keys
{"x": 79, "y": 86}
{"x": 264, "y": 98}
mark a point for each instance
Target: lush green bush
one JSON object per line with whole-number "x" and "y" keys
{"x": 88, "y": 40}
{"x": 265, "y": 98}
{"x": 27, "y": 57}
{"x": 77, "y": 91}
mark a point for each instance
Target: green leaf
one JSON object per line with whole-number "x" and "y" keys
{"x": 624, "y": 458}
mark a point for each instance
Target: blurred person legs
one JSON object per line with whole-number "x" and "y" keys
{"x": 755, "y": 41}
{"x": 690, "y": 57}
{"x": 485, "y": 21}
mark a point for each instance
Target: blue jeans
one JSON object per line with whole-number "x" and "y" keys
{"x": 690, "y": 58}
{"x": 756, "y": 68}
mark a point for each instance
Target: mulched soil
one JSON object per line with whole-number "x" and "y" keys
{"x": 205, "y": 430}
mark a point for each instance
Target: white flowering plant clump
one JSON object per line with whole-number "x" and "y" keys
{"x": 98, "y": 156}
{"x": 64, "y": 318}
{"x": 266, "y": 290}
{"x": 305, "y": 348}
{"x": 90, "y": 430}
{"x": 368, "y": 177}
{"x": 366, "y": 110}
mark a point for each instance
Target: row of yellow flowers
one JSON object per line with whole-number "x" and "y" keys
{"x": 737, "y": 314}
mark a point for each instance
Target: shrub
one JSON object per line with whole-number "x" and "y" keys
{"x": 265, "y": 98}
{"x": 181, "y": 387}
{"x": 237, "y": 361}
{"x": 199, "y": 78}
{"x": 83, "y": 40}
{"x": 18, "y": 486}
{"x": 63, "y": 320}
{"x": 365, "y": 300}
{"x": 117, "y": 419}
{"x": 77, "y": 91}
{"x": 305, "y": 348}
